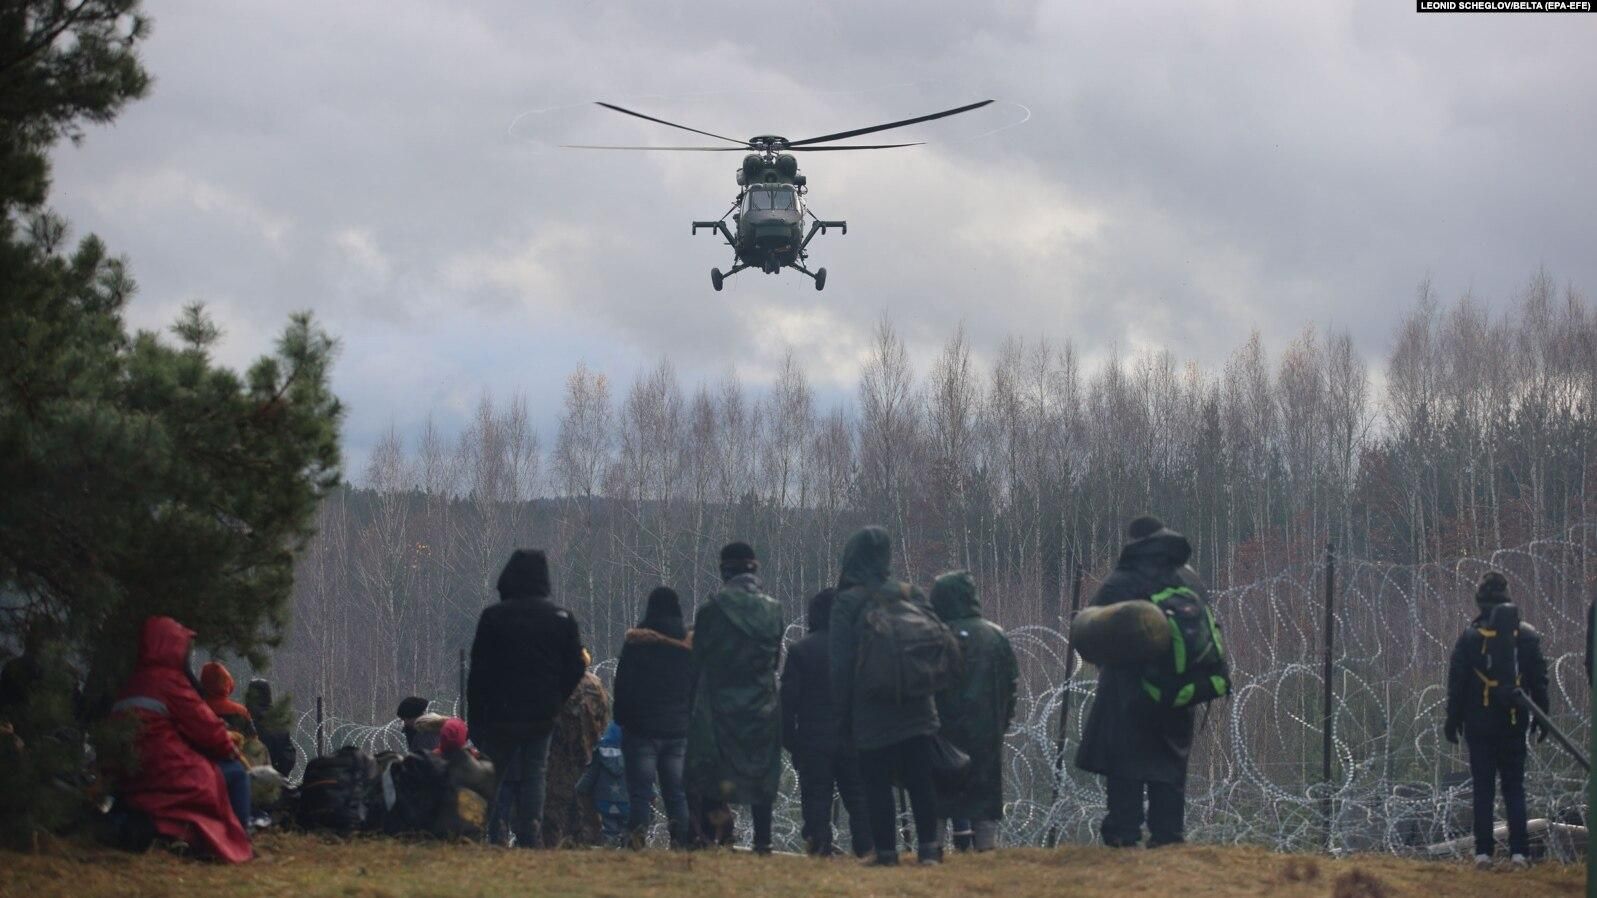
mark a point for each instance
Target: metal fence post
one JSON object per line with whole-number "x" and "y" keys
{"x": 1327, "y": 717}
{"x": 1064, "y": 700}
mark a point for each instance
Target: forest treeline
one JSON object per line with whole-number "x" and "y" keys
{"x": 1472, "y": 435}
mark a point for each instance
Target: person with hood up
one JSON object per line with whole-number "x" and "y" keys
{"x": 526, "y": 659}
{"x": 1138, "y": 746}
{"x": 605, "y": 784}
{"x": 812, "y": 734}
{"x": 278, "y": 740}
{"x": 653, "y": 686}
{"x": 735, "y": 727}
{"x": 569, "y": 818}
{"x": 976, "y": 714}
{"x": 179, "y": 746}
{"x": 216, "y": 687}
{"x": 1492, "y": 724}
{"x": 894, "y": 740}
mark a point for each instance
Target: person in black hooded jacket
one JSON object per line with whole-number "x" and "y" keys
{"x": 812, "y": 732}
{"x": 526, "y": 660}
{"x": 653, "y": 683}
{"x": 1493, "y": 726}
{"x": 1136, "y": 745}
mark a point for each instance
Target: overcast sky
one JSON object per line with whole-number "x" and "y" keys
{"x": 1189, "y": 171}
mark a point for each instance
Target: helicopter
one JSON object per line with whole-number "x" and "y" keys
{"x": 768, "y": 215}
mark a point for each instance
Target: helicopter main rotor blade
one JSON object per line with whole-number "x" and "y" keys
{"x": 863, "y": 146}
{"x": 589, "y": 146}
{"x": 795, "y": 144}
{"x": 661, "y": 121}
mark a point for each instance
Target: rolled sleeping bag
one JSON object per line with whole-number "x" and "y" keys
{"x": 1131, "y": 632}
{"x": 266, "y": 786}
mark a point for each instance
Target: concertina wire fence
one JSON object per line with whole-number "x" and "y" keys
{"x": 1256, "y": 768}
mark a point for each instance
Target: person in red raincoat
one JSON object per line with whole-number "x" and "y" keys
{"x": 179, "y": 743}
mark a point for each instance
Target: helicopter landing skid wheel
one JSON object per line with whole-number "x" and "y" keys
{"x": 820, "y": 278}
{"x": 716, "y": 279}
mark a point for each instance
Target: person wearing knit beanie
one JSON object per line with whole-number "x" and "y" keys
{"x": 738, "y": 558}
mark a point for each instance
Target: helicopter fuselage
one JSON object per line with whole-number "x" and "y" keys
{"x": 768, "y": 216}
{"x": 769, "y": 223}
{"x": 767, "y": 229}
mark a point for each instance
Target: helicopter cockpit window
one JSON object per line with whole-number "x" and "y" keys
{"x": 777, "y": 198}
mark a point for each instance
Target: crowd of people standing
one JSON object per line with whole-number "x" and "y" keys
{"x": 888, "y": 689}
{"x": 705, "y": 712}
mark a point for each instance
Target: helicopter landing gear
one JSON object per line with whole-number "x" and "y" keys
{"x": 818, "y": 275}
{"x": 717, "y": 277}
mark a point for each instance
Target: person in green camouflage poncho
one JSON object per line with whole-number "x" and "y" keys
{"x": 735, "y": 727}
{"x": 976, "y": 713}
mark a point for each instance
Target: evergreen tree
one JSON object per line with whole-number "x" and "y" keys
{"x": 137, "y": 477}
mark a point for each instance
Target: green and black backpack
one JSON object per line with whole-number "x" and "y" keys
{"x": 1195, "y": 671}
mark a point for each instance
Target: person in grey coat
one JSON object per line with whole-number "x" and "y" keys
{"x": 890, "y": 738}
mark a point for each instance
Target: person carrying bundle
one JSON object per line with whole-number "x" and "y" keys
{"x": 1139, "y": 729}
{"x": 1496, "y": 660}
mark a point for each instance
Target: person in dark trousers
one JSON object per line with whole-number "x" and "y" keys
{"x": 735, "y": 725}
{"x": 526, "y": 660}
{"x": 894, "y": 741}
{"x": 1140, "y": 748}
{"x": 976, "y": 713}
{"x": 1493, "y": 725}
{"x": 653, "y": 683}
{"x": 812, "y": 734}
{"x": 274, "y": 735}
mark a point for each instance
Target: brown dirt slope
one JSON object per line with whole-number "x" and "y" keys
{"x": 300, "y": 866}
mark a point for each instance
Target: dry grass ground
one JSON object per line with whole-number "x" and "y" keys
{"x": 298, "y": 866}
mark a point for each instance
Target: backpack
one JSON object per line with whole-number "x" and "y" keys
{"x": 1496, "y": 665}
{"x": 419, "y": 784}
{"x": 905, "y": 652}
{"x": 337, "y": 791}
{"x": 1195, "y": 671}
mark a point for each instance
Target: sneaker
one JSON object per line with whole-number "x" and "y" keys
{"x": 930, "y": 854}
{"x": 1520, "y": 862}
{"x": 883, "y": 859}
{"x": 1483, "y": 862}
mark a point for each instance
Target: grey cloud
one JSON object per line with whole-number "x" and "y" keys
{"x": 1190, "y": 172}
